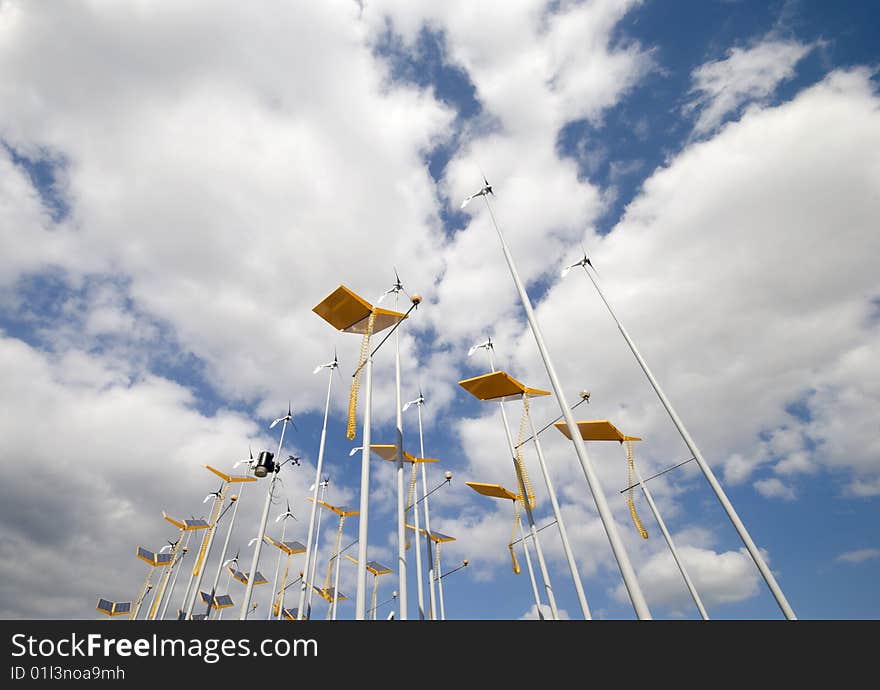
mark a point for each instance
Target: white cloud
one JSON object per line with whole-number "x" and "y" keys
{"x": 774, "y": 488}
{"x": 744, "y": 75}
{"x": 859, "y": 555}
{"x": 546, "y": 611}
{"x": 719, "y": 578}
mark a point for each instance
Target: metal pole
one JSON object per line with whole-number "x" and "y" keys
{"x": 311, "y": 573}
{"x": 336, "y": 577}
{"x": 418, "y": 551}
{"x": 626, "y": 570}
{"x": 309, "y": 554}
{"x": 177, "y": 562}
{"x": 704, "y": 466}
{"x": 531, "y": 570}
{"x": 255, "y": 561}
{"x": 203, "y": 566}
{"x": 228, "y": 581}
{"x": 539, "y": 552}
{"x": 277, "y": 568}
{"x": 401, "y": 520}
{"x": 669, "y": 542}
{"x": 440, "y": 585}
{"x": 283, "y": 588}
{"x": 226, "y": 541}
{"x": 361, "y": 599}
{"x": 373, "y": 599}
{"x": 432, "y": 614}
{"x": 249, "y": 588}
{"x": 572, "y": 565}
{"x": 163, "y": 583}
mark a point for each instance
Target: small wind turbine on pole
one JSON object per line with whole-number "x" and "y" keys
{"x": 236, "y": 501}
{"x": 498, "y": 385}
{"x": 759, "y": 560}
{"x": 396, "y": 289}
{"x": 290, "y": 548}
{"x": 266, "y": 464}
{"x": 310, "y": 572}
{"x": 303, "y": 611}
{"x": 551, "y": 492}
{"x": 628, "y": 573}
{"x": 603, "y": 430}
{"x": 154, "y": 560}
{"x": 350, "y": 313}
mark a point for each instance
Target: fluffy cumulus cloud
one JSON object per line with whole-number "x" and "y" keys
{"x": 217, "y": 170}
{"x": 742, "y": 76}
{"x": 859, "y": 555}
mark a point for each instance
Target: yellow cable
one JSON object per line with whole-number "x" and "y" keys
{"x": 336, "y": 554}
{"x": 522, "y": 477}
{"x": 203, "y": 550}
{"x": 630, "y": 474}
{"x": 356, "y": 381}
{"x": 514, "y": 562}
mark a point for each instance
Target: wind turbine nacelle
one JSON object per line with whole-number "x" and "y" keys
{"x": 265, "y": 464}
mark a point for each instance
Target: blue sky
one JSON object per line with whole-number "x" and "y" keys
{"x": 179, "y": 190}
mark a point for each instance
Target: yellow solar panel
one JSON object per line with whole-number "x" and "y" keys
{"x": 373, "y": 567}
{"x": 498, "y": 385}
{"x": 182, "y": 524}
{"x": 384, "y": 451}
{"x": 230, "y": 478}
{"x": 408, "y": 457}
{"x": 597, "y": 430}
{"x": 288, "y": 547}
{"x": 433, "y": 535}
{"x": 339, "y": 510}
{"x": 349, "y": 312}
{"x": 493, "y": 490}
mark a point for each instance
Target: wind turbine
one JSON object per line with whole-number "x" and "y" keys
{"x": 396, "y": 289}
{"x": 484, "y": 192}
{"x": 310, "y": 571}
{"x": 229, "y": 479}
{"x": 626, "y": 569}
{"x": 310, "y": 556}
{"x": 738, "y": 525}
{"x": 476, "y": 387}
{"x": 348, "y": 312}
{"x": 432, "y": 613}
{"x": 265, "y": 465}
{"x": 285, "y": 516}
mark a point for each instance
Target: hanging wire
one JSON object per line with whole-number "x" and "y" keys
{"x": 351, "y": 431}
{"x": 630, "y": 472}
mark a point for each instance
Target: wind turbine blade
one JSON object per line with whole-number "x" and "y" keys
{"x": 406, "y": 406}
{"x": 272, "y": 425}
{"x": 207, "y": 497}
{"x": 467, "y": 200}
{"x": 355, "y": 450}
{"x": 312, "y": 487}
{"x": 473, "y": 349}
{"x": 252, "y": 541}
{"x": 317, "y": 368}
{"x": 565, "y": 271}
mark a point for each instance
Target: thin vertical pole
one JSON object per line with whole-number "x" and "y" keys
{"x": 539, "y": 552}
{"x": 764, "y": 569}
{"x": 177, "y": 562}
{"x": 531, "y": 570}
{"x": 432, "y": 614}
{"x": 418, "y": 552}
{"x": 311, "y": 573}
{"x": 204, "y": 565}
{"x": 163, "y": 583}
{"x": 361, "y": 597}
{"x": 226, "y": 541}
{"x": 671, "y": 545}
{"x": 277, "y": 568}
{"x": 336, "y": 577}
{"x": 401, "y": 521}
{"x": 557, "y": 513}
{"x": 626, "y": 570}
{"x": 440, "y": 584}
{"x": 264, "y": 518}
{"x": 309, "y": 554}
